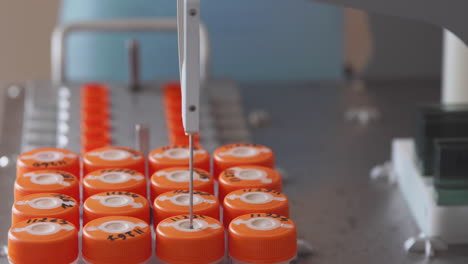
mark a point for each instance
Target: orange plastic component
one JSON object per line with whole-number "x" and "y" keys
{"x": 248, "y": 176}
{"x": 95, "y": 110}
{"x": 262, "y": 238}
{"x": 172, "y": 93}
{"x": 47, "y": 181}
{"x": 52, "y": 205}
{"x": 232, "y": 155}
{"x": 116, "y": 239}
{"x": 43, "y": 240}
{"x": 259, "y": 200}
{"x": 97, "y": 121}
{"x": 177, "y": 178}
{"x": 91, "y": 143}
{"x": 177, "y": 202}
{"x": 177, "y": 243}
{"x": 113, "y": 157}
{"x": 176, "y": 156}
{"x": 95, "y": 89}
{"x": 116, "y": 203}
{"x": 48, "y": 159}
{"x": 95, "y": 132}
{"x": 114, "y": 180}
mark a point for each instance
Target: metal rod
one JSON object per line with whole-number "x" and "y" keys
{"x": 142, "y": 138}
{"x": 133, "y": 47}
{"x": 191, "y": 180}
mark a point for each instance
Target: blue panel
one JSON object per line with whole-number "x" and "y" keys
{"x": 251, "y": 40}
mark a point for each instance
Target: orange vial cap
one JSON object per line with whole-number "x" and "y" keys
{"x": 53, "y": 205}
{"x": 259, "y": 200}
{"x": 177, "y": 202}
{"x": 177, "y": 243}
{"x": 248, "y": 176}
{"x": 262, "y": 238}
{"x": 116, "y": 203}
{"x": 232, "y": 155}
{"x": 48, "y": 159}
{"x": 113, "y": 157}
{"x": 95, "y": 89}
{"x": 178, "y": 155}
{"x": 114, "y": 180}
{"x": 47, "y": 181}
{"x": 43, "y": 240}
{"x": 177, "y": 178}
{"x": 116, "y": 239}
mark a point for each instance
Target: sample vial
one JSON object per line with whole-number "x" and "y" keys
{"x": 47, "y": 181}
{"x": 232, "y": 155}
{"x": 43, "y": 240}
{"x": 116, "y": 239}
{"x": 254, "y": 200}
{"x": 116, "y": 203}
{"x": 48, "y": 159}
{"x": 177, "y": 202}
{"x": 114, "y": 180}
{"x": 248, "y": 176}
{"x": 177, "y": 178}
{"x": 112, "y": 157}
{"x": 176, "y": 156}
{"x": 53, "y": 205}
{"x": 262, "y": 238}
{"x": 176, "y": 242}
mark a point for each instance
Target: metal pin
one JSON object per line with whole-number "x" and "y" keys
{"x": 133, "y": 47}
{"x": 191, "y": 180}
{"x": 142, "y": 138}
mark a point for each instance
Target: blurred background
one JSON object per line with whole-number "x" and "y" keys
{"x": 261, "y": 40}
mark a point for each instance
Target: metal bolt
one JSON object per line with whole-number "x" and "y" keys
{"x": 193, "y": 12}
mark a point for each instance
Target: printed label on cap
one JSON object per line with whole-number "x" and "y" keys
{"x": 244, "y": 150}
{"x": 48, "y": 156}
{"x": 117, "y": 200}
{"x": 183, "y": 199}
{"x": 264, "y": 222}
{"x": 237, "y": 174}
{"x": 119, "y": 229}
{"x": 177, "y": 153}
{"x": 183, "y": 175}
{"x": 115, "y": 154}
{"x": 44, "y": 228}
{"x": 257, "y": 196}
{"x": 182, "y": 223}
{"x": 49, "y": 202}
{"x": 116, "y": 176}
{"x": 49, "y": 178}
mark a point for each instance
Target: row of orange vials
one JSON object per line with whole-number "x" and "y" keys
{"x": 116, "y": 212}
{"x": 95, "y": 116}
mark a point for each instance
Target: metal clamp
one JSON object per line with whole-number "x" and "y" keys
{"x": 61, "y": 32}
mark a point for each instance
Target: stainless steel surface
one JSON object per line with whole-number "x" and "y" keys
{"x": 61, "y": 33}
{"x": 340, "y": 213}
{"x": 343, "y": 215}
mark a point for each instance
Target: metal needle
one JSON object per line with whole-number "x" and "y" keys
{"x": 191, "y": 180}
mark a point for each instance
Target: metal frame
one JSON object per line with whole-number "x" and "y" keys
{"x": 61, "y": 33}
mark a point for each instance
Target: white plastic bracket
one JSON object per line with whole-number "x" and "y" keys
{"x": 188, "y": 23}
